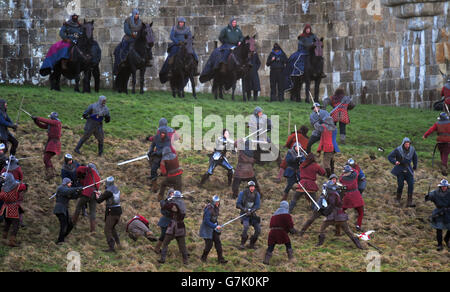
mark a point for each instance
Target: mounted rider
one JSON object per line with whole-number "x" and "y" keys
{"x": 70, "y": 32}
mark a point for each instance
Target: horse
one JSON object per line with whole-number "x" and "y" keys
{"x": 313, "y": 72}
{"x": 85, "y": 57}
{"x": 138, "y": 58}
{"x": 183, "y": 69}
{"x": 238, "y": 65}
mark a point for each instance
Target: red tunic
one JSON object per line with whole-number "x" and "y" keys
{"x": 279, "y": 229}
{"x": 171, "y": 168}
{"x": 341, "y": 113}
{"x": 12, "y": 200}
{"x": 352, "y": 198}
{"x": 54, "y": 134}
{"x": 443, "y": 131}
{"x": 308, "y": 176}
{"x": 17, "y": 173}
{"x": 90, "y": 178}
{"x": 301, "y": 139}
{"x": 326, "y": 141}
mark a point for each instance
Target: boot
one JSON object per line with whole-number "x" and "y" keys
{"x": 328, "y": 171}
{"x": 49, "y": 173}
{"x": 398, "y": 198}
{"x": 243, "y": 240}
{"x": 230, "y": 178}
{"x": 356, "y": 242}
{"x": 290, "y": 254}
{"x": 338, "y": 231}
{"x": 205, "y": 177}
{"x": 321, "y": 240}
{"x": 154, "y": 186}
{"x": 343, "y": 139}
{"x": 323, "y": 75}
{"x": 132, "y": 236}
{"x": 410, "y": 203}
{"x": 162, "y": 260}
{"x": 444, "y": 170}
{"x": 185, "y": 259}
{"x": 280, "y": 173}
{"x": 117, "y": 241}
{"x": 204, "y": 256}
{"x": 252, "y": 242}
{"x": 150, "y": 237}
{"x": 267, "y": 257}
{"x": 92, "y": 226}
{"x": 111, "y": 246}
{"x": 255, "y": 95}
{"x": 158, "y": 247}
{"x": 220, "y": 257}
{"x": 440, "y": 247}
{"x": 12, "y": 241}
{"x": 100, "y": 149}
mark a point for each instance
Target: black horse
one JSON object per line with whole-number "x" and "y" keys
{"x": 238, "y": 65}
{"x": 138, "y": 58}
{"x": 183, "y": 69}
{"x": 313, "y": 72}
{"x": 85, "y": 57}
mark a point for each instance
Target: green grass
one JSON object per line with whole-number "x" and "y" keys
{"x": 404, "y": 235}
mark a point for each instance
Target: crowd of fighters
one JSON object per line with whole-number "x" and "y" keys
{"x": 300, "y": 168}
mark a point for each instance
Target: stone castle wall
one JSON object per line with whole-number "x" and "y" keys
{"x": 370, "y": 48}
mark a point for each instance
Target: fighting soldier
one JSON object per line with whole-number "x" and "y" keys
{"x": 326, "y": 144}
{"x": 5, "y": 123}
{"x": 155, "y": 153}
{"x": 352, "y": 197}
{"x": 113, "y": 212}
{"x": 442, "y": 127}
{"x": 244, "y": 170}
{"x": 218, "y": 157}
{"x": 139, "y": 226}
{"x": 302, "y": 138}
{"x": 171, "y": 170}
{"x": 64, "y": 194}
{"x": 164, "y": 221}
{"x": 293, "y": 160}
{"x": 176, "y": 229}
{"x": 210, "y": 230}
{"x": 95, "y": 114}
{"x": 14, "y": 168}
{"x": 402, "y": 157}
{"x": 440, "y": 219}
{"x": 318, "y": 116}
{"x": 53, "y": 146}
{"x": 249, "y": 201}
{"x": 362, "y": 184}
{"x": 281, "y": 224}
{"x": 69, "y": 168}
{"x": 262, "y": 143}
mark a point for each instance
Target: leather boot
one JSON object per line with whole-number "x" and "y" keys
{"x": 252, "y": 242}
{"x": 154, "y": 186}
{"x": 398, "y": 198}
{"x": 410, "y": 203}
{"x": 267, "y": 257}
{"x": 111, "y": 246}
{"x": 117, "y": 241}
{"x": 338, "y": 231}
{"x": 280, "y": 173}
{"x": 343, "y": 139}
{"x": 204, "y": 256}
{"x": 243, "y": 240}
{"x": 185, "y": 259}
{"x": 162, "y": 260}
{"x": 92, "y": 224}
{"x": 221, "y": 259}
{"x": 12, "y": 241}
{"x": 205, "y": 177}
{"x": 48, "y": 173}
{"x": 100, "y": 149}
{"x": 357, "y": 243}
{"x": 321, "y": 240}
{"x": 290, "y": 254}
{"x": 150, "y": 237}
{"x": 158, "y": 247}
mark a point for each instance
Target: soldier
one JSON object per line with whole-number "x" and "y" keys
{"x": 176, "y": 229}
{"x": 341, "y": 105}
{"x": 244, "y": 170}
{"x": 171, "y": 133}
{"x": 113, "y": 212}
{"x": 64, "y": 194}
{"x": 70, "y": 32}
{"x": 139, "y": 226}
{"x": 95, "y": 114}
{"x": 281, "y": 224}
{"x": 69, "y": 168}
{"x": 87, "y": 175}
{"x": 440, "y": 219}
{"x": 293, "y": 160}
{"x": 170, "y": 168}
{"x": 402, "y": 157}
{"x": 210, "y": 230}
{"x": 442, "y": 127}
{"x": 261, "y": 144}
{"x": 361, "y": 176}
{"x": 326, "y": 143}
{"x": 249, "y": 201}
{"x": 5, "y": 123}
{"x": 14, "y": 168}
{"x": 155, "y": 153}
{"x": 12, "y": 195}
{"x": 336, "y": 217}
{"x": 165, "y": 220}
{"x": 318, "y": 116}
{"x": 218, "y": 157}
{"x": 352, "y": 198}
{"x": 3, "y": 156}
{"x": 53, "y": 146}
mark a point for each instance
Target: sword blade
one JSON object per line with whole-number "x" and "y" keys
{"x": 26, "y": 112}
{"x": 318, "y": 208}
{"x": 133, "y": 160}
{"x": 231, "y": 221}
{"x": 20, "y": 107}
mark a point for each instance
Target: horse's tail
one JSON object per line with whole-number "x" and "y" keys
{"x": 112, "y": 70}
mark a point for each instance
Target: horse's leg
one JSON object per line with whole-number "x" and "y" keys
{"x": 307, "y": 90}
{"x": 214, "y": 88}
{"x": 53, "y": 80}
{"x": 233, "y": 89}
{"x": 221, "y": 91}
{"x": 77, "y": 83}
{"x": 87, "y": 81}
{"x": 142, "y": 72}
{"x": 191, "y": 78}
{"x": 317, "y": 89}
{"x": 183, "y": 78}
{"x": 295, "y": 88}
{"x": 96, "y": 73}
{"x": 133, "y": 72}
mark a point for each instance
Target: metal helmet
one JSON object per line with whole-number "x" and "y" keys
{"x": 443, "y": 117}
{"x": 215, "y": 199}
{"x": 444, "y": 183}
{"x": 177, "y": 194}
{"x": 53, "y": 116}
{"x": 170, "y": 192}
{"x": 67, "y": 157}
{"x": 351, "y": 161}
{"x": 66, "y": 181}
{"x": 316, "y": 104}
{"x": 110, "y": 181}
{"x": 348, "y": 169}
{"x": 251, "y": 183}
{"x": 333, "y": 176}
{"x": 2, "y": 147}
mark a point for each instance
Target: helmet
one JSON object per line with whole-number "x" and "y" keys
{"x": 2, "y": 147}
{"x": 215, "y": 199}
{"x": 170, "y": 192}
{"x": 333, "y": 176}
{"x": 67, "y": 157}
{"x": 110, "y": 181}
{"x": 351, "y": 161}
{"x": 177, "y": 194}
{"x": 348, "y": 169}
{"x": 316, "y": 104}
{"x": 251, "y": 183}
{"x": 53, "y": 116}
{"x": 443, "y": 117}
{"x": 444, "y": 183}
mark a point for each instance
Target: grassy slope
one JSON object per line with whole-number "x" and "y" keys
{"x": 404, "y": 234}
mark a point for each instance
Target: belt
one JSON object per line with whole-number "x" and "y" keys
{"x": 276, "y": 228}
{"x": 352, "y": 190}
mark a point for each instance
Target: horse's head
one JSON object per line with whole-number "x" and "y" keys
{"x": 446, "y": 77}
{"x": 317, "y": 47}
{"x": 251, "y": 41}
{"x": 88, "y": 29}
{"x": 149, "y": 37}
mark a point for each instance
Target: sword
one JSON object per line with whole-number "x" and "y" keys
{"x": 251, "y": 134}
{"x": 231, "y": 221}
{"x": 317, "y": 206}
{"x": 25, "y": 158}
{"x": 133, "y": 160}
{"x": 299, "y": 146}
{"x": 20, "y": 107}
{"x": 26, "y": 112}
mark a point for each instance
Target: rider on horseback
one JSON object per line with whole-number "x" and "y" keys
{"x": 306, "y": 40}
{"x": 230, "y": 37}
{"x": 70, "y": 32}
{"x": 180, "y": 33}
